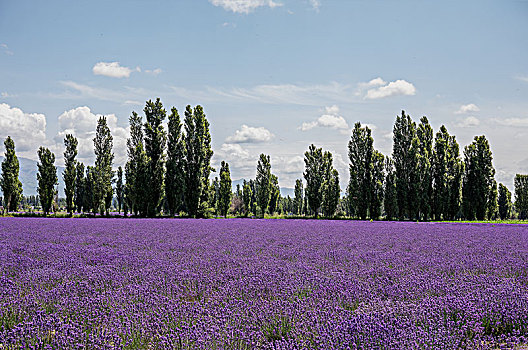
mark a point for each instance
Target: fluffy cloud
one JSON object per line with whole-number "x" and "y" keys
{"x": 248, "y": 134}
{"x": 153, "y": 71}
{"x": 113, "y": 70}
{"x": 331, "y": 119}
{"x": 468, "y": 122}
{"x": 18, "y": 124}
{"x": 243, "y": 6}
{"x": 467, "y": 108}
{"x": 394, "y": 88}
{"x": 315, "y": 4}
{"x": 81, "y": 122}
{"x": 234, "y": 150}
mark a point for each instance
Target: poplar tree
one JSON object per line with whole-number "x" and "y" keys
{"x": 155, "y": 140}
{"x": 331, "y": 192}
{"x": 262, "y": 183}
{"x": 136, "y": 167}
{"x": 360, "y": 151}
{"x": 424, "y": 134}
{"x": 89, "y": 190}
{"x": 69, "y": 173}
{"x": 478, "y": 180}
{"x": 504, "y": 202}
{"x": 47, "y": 178}
{"x": 376, "y": 184}
{"x": 247, "y": 195}
{"x": 314, "y": 177}
{"x": 404, "y": 154}
{"x": 197, "y": 160}
{"x": 120, "y": 190}
{"x": 9, "y": 181}
{"x": 274, "y": 202}
{"x": 79, "y": 187}
{"x": 521, "y": 195}
{"x": 103, "y": 143}
{"x": 225, "y": 194}
{"x": 298, "y": 200}
{"x": 175, "y": 176}
{"x": 390, "y": 202}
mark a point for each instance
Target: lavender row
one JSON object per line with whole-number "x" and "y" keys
{"x": 267, "y": 284}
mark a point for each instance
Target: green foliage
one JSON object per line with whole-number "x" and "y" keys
{"x": 424, "y": 134}
{"x": 155, "y": 139}
{"x": 521, "y": 195}
{"x": 263, "y": 183}
{"x": 136, "y": 167}
{"x": 478, "y": 179}
{"x": 390, "y": 202}
{"x": 198, "y": 159}
{"x": 247, "y": 195}
{"x": 120, "y": 190}
{"x": 298, "y": 200}
{"x": 274, "y": 203}
{"x": 376, "y": 184}
{"x": 103, "y": 143}
{"x": 47, "y": 178}
{"x": 9, "y": 181}
{"x": 175, "y": 177}
{"x": 69, "y": 174}
{"x": 504, "y": 202}
{"x": 88, "y": 192}
{"x": 405, "y": 156}
{"x": 313, "y": 175}
{"x": 225, "y": 194}
{"x": 79, "y": 187}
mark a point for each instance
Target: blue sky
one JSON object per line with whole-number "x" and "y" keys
{"x": 272, "y": 76}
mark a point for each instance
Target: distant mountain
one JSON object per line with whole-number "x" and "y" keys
{"x": 28, "y": 176}
{"x": 285, "y": 191}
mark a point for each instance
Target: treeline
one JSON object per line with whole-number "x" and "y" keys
{"x": 168, "y": 173}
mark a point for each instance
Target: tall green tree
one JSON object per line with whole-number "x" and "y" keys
{"x": 47, "y": 178}
{"x": 448, "y": 170}
{"x": 263, "y": 183}
{"x": 424, "y": 134}
{"x": 89, "y": 190}
{"x": 79, "y": 186}
{"x": 314, "y": 177}
{"x": 9, "y": 181}
{"x": 155, "y": 140}
{"x": 377, "y": 172}
{"x": 69, "y": 173}
{"x": 198, "y": 159}
{"x": 247, "y": 195}
{"x": 225, "y": 194}
{"x": 478, "y": 179}
{"x": 492, "y": 210}
{"x": 136, "y": 167}
{"x": 504, "y": 202}
{"x": 360, "y": 155}
{"x": 404, "y": 154}
{"x": 274, "y": 202}
{"x": 331, "y": 193}
{"x": 390, "y": 202}
{"x": 120, "y": 190}
{"x": 175, "y": 177}
{"x": 521, "y": 195}
{"x": 298, "y": 200}
{"x": 104, "y": 157}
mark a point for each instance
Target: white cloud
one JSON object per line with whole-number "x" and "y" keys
{"x": 18, "y": 124}
{"x": 113, "y": 70}
{"x": 522, "y": 78}
{"x": 467, "y": 108}
{"x": 153, "y": 71}
{"x": 5, "y": 94}
{"x": 132, "y": 102}
{"x": 315, "y": 4}
{"x": 81, "y": 122}
{"x": 248, "y": 134}
{"x": 331, "y": 119}
{"x": 394, "y": 88}
{"x": 517, "y": 122}
{"x": 244, "y": 6}
{"x": 234, "y": 150}
{"x": 86, "y": 91}
{"x": 468, "y": 122}
{"x": 6, "y": 50}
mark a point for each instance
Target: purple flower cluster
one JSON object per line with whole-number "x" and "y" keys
{"x": 265, "y": 284}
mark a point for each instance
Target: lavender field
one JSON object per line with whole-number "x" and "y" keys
{"x": 265, "y": 284}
